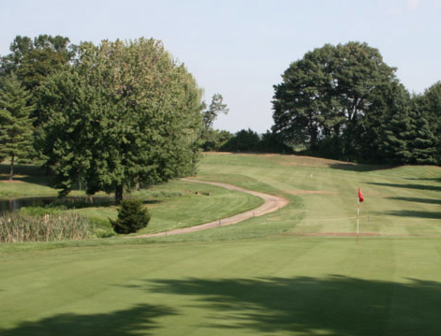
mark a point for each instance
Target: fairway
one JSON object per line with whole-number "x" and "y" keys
{"x": 296, "y": 271}
{"x": 280, "y": 286}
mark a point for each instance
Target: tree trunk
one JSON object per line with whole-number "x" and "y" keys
{"x": 11, "y": 171}
{"x": 119, "y": 193}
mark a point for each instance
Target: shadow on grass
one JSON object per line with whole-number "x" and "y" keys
{"x": 335, "y": 305}
{"x": 408, "y": 186}
{"x": 414, "y": 214}
{"x": 27, "y": 173}
{"x": 436, "y": 179}
{"x": 357, "y": 167}
{"x": 139, "y": 320}
{"x": 417, "y": 200}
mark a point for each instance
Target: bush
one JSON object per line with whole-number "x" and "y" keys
{"x": 132, "y": 216}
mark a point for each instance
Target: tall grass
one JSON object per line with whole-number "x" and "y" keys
{"x": 15, "y": 227}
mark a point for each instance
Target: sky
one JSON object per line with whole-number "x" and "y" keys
{"x": 240, "y": 48}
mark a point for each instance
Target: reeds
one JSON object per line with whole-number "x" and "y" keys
{"x": 15, "y": 227}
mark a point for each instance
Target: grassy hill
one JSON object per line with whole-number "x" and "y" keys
{"x": 297, "y": 271}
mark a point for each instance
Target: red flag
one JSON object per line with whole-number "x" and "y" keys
{"x": 360, "y": 196}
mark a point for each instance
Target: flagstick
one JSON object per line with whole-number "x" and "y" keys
{"x": 358, "y": 220}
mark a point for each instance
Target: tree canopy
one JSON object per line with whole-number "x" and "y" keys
{"x": 125, "y": 113}
{"x": 344, "y": 102}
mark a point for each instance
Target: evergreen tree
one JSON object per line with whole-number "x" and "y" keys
{"x": 34, "y": 60}
{"x": 430, "y": 105}
{"x": 132, "y": 216}
{"x": 423, "y": 144}
{"x": 386, "y": 128}
{"x": 16, "y": 130}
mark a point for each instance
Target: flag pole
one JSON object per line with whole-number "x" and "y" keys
{"x": 358, "y": 220}
{"x": 360, "y": 199}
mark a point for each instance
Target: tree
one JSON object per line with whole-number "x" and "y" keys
{"x": 243, "y": 141}
{"x": 16, "y": 128}
{"x": 216, "y": 107}
{"x": 423, "y": 143}
{"x": 212, "y": 139}
{"x": 302, "y": 112}
{"x": 271, "y": 142}
{"x": 132, "y": 216}
{"x": 125, "y": 113}
{"x": 33, "y": 61}
{"x": 21, "y": 46}
{"x": 430, "y": 104}
{"x": 386, "y": 129}
{"x": 325, "y": 96}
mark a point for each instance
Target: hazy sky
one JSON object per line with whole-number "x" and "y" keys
{"x": 239, "y": 48}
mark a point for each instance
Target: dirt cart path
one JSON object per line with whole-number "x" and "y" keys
{"x": 271, "y": 204}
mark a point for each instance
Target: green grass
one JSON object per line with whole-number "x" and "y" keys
{"x": 262, "y": 276}
{"x": 401, "y": 201}
{"x": 180, "y": 204}
{"x": 278, "y": 286}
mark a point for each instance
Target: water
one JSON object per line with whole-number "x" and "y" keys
{"x": 18, "y": 203}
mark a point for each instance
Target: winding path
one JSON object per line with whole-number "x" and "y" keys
{"x": 271, "y": 204}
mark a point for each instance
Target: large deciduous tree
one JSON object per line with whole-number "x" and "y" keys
{"x": 124, "y": 114}
{"x": 325, "y": 97}
{"x": 16, "y": 130}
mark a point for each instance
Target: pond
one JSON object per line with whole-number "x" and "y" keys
{"x": 18, "y": 203}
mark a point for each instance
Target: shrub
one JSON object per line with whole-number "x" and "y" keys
{"x": 132, "y": 216}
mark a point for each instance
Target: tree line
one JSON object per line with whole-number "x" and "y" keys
{"x": 117, "y": 115}
{"x": 344, "y": 102}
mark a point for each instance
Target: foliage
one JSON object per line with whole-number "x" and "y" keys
{"x": 213, "y": 140}
{"x": 132, "y": 217}
{"x": 271, "y": 142}
{"x": 16, "y": 130}
{"x": 15, "y": 227}
{"x": 126, "y": 113}
{"x": 250, "y": 141}
{"x": 216, "y": 107}
{"x": 327, "y": 96}
{"x": 243, "y": 141}
{"x": 33, "y": 60}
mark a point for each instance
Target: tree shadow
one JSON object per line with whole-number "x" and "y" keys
{"x": 139, "y": 320}
{"x": 357, "y": 167}
{"x": 417, "y": 200}
{"x": 408, "y": 186}
{"x": 27, "y": 173}
{"x": 436, "y": 179}
{"x": 415, "y": 214}
{"x": 336, "y": 305}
